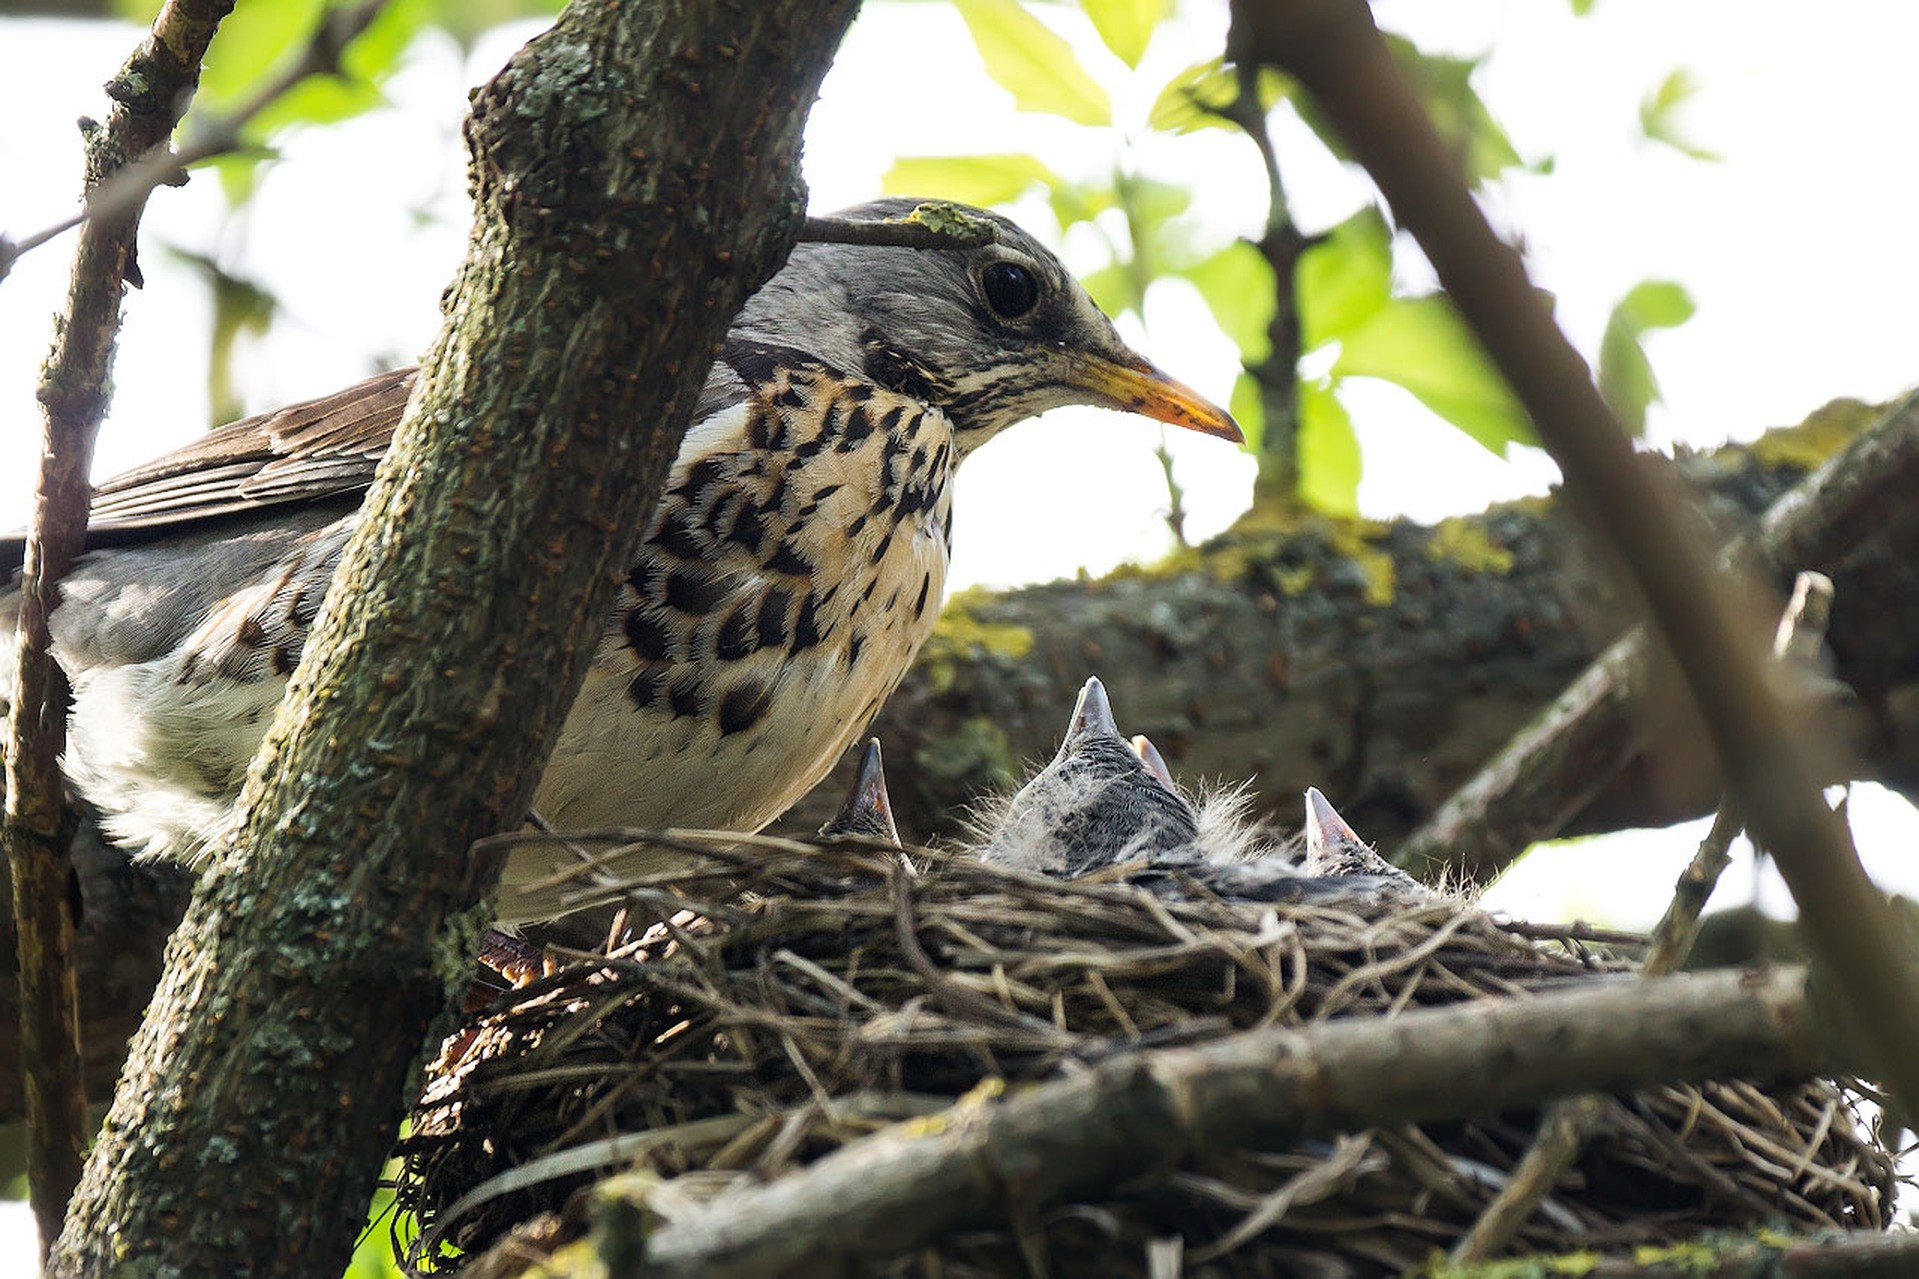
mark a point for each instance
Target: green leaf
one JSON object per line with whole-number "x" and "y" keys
{"x": 1444, "y": 88}
{"x": 1237, "y": 284}
{"x": 1111, "y": 288}
{"x": 1422, "y": 345}
{"x": 1328, "y": 452}
{"x": 1194, "y": 99}
{"x": 1659, "y": 115}
{"x": 1342, "y": 281}
{"x": 1029, "y": 60}
{"x": 1126, "y": 25}
{"x": 970, "y": 179}
{"x": 1625, "y": 373}
{"x": 1076, "y": 202}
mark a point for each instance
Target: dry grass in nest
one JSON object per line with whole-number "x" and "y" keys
{"x": 798, "y": 998}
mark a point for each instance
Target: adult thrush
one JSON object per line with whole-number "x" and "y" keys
{"x": 792, "y": 569}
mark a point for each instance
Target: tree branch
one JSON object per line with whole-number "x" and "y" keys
{"x": 1569, "y": 1124}
{"x": 1552, "y": 767}
{"x": 934, "y": 224}
{"x": 633, "y": 151}
{"x": 1334, "y": 49}
{"x": 1142, "y": 1113}
{"x": 148, "y": 94}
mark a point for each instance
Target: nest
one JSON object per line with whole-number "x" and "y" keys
{"x": 795, "y": 998}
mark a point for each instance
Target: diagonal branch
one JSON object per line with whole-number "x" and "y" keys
{"x": 148, "y": 94}
{"x": 1567, "y": 1125}
{"x": 1143, "y": 1112}
{"x": 1334, "y": 49}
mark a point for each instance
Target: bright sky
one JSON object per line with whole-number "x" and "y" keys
{"x": 1798, "y": 249}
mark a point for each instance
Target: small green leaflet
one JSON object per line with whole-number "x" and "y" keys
{"x": 1126, "y": 25}
{"x": 1625, "y": 374}
{"x": 1031, "y": 61}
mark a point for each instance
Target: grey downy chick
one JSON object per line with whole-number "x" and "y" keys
{"x": 1096, "y": 804}
{"x": 867, "y": 810}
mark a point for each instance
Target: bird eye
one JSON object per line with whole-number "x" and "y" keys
{"x": 1010, "y": 289}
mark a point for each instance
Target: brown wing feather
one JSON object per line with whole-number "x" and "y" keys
{"x": 304, "y": 452}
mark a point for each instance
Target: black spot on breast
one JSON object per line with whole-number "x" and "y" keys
{"x": 773, "y": 607}
{"x": 700, "y": 476}
{"x": 280, "y": 659}
{"x": 853, "y": 647}
{"x": 786, "y": 558}
{"x": 692, "y": 591}
{"x": 250, "y": 632}
{"x": 680, "y": 537}
{"x": 926, "y": 584}
{"x": 644, "y": 577}
{"x": 791, "y": 397}
{"x": 859, "y": 425}
{"x": 806, "y": 627}
{"x": 749, "y": 529}
{"x": 687, "y": 696}
{"x": 648, "y": 635}
{"x": 644, "y": 688}
{"x": 825, "y": 491}
{"x": 736, "y": 636}
{"x": 859, "y": 522}
{"x": 744, "y": 707}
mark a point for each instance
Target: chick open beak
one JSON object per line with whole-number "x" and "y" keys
{"x": 1132, "y": 385}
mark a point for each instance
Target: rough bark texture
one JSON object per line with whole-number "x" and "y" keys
{"x": 635, "y": 175}
{"x": 1386, "y": 663}
{"x": 1143, "y": 1112}
{"x": 148, "y": 94}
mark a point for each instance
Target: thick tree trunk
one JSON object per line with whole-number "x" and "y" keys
{"x": 1385, "y": 663}
{"x": 635, "y": 176}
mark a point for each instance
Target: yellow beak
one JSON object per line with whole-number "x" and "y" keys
{"x": 1135, "y": 386}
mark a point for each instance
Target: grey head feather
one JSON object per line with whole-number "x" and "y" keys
{"x": 917, "y": 320}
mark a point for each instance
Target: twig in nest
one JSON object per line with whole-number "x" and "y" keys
{"x": 1567, "y": 1125}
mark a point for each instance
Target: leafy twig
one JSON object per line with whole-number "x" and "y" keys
{"x": 1334, "y": 49}
{"x": 37, "y": 829}
{"x": 128, "y": 188}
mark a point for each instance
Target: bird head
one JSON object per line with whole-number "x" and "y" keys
{"x": 868, "y": 810}
{"x": 1099, "y": 802}
{"x": 992, "y": 334}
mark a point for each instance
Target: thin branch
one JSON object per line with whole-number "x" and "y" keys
{"x": 1555, "y": 765}
{"x": 1334, "y": 49}
{"x": 935, "y": 224}
{"x": 1802, "y": 629}
{"x": 1141, "y": 1113}
{"x": 37, "y": 829}
{"x": 1282, "y": 245}
{"x": 1568, "y": 1125}
{"x": 127, "y": 190}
